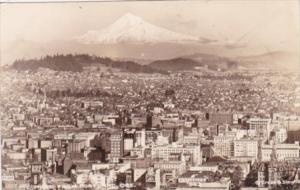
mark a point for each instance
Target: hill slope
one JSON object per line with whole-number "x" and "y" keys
{"x": 177, "y": 64}
{"x": 193, "y": 62}
{"x": 273, "y": 60}
{"x": 76, "y": 63}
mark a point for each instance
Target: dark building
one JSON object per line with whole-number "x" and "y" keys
{"x": 36, "y": 170}
{"x": 221, "y": 118}
{"x": 75, "y": 146}
{"x": 48, "y": 155}
{"x": 293, "y": 136}
{"x": 149, "y": 121}
{"x": 170, "y": 133}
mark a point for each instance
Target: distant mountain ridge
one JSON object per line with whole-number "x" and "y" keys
{"x": 194, "y": 62}
{"x": 271, "y": 60}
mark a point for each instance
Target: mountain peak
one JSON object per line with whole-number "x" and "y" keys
{"x": 130, "y": 16}
{"x": 133, "y": 29}
{"x": 128, "y": 19}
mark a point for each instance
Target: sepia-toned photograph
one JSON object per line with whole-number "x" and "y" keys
{"x": 150, "y": 95}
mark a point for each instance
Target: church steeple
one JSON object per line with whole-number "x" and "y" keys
{"x": 259, "y": 154}
{"x": 45, "y": 97}
{"x": 273, "y": 153}
{"x": 273, "y": 166}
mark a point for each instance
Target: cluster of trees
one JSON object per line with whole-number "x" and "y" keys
{"x": 55, "y": 62}
{"x": 76, "y": 62}
{"x": 169, "y": 92}
{"x": 229, "y": 77}
{"x": 77, "y": 93}
{"x": 235, "y": 174}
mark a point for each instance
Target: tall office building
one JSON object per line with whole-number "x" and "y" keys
{"x": 140, "y": 138}
{"x": 260, "y": 126}
{"x": 116, "y": 146}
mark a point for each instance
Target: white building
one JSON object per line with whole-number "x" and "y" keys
{"x": 198, "y": 181}
{"x": 117, "y": 146}
{"x": 140, "y": 138}
{"x": 128, "y": 144}
{"x": 246, "y": 147}
{"x": 177, "y": 166}
{"x": 163, "y": 152}
{"x": 202, "y": 168}
{"x": 281, "y": 135}
{"x": 223, "y": 145}
{"x": 86, "y": 136}
{"x": 283, "y": 151}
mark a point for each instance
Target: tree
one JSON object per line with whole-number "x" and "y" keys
{"x": 251, "y": 178}
{"x": 236, "y": 178}
{"x": 170, "y": 92}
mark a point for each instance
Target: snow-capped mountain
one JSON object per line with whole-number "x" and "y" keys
{"x": 133, "y": 29}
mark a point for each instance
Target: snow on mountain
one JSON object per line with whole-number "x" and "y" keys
{"x": 133, "y": 29}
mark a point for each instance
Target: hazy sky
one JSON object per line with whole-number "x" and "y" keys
{"x": 272, "y": 23}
